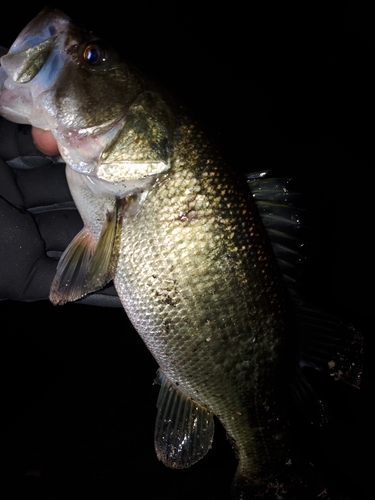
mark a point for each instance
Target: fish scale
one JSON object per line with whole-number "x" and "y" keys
{"x": 215, "y": 289}
{"x": 205, "y": 265}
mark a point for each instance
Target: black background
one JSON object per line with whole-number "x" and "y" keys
{"x": 287, "y": 88}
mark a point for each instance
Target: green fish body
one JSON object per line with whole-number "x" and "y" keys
{"x": 183, "y": 240}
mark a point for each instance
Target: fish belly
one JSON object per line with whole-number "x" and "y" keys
{"x": 197, "y": 280}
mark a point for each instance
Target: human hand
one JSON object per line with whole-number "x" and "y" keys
{"x": 38, "y": 218}
{"x": 44, "y": 141}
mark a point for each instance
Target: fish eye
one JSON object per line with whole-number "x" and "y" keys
{"x": 95, "y": 54}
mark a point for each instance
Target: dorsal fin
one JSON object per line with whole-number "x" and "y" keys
{"x": 281, "y": 216}
{"x": 325, "y": 343}
{"x": 184, "y": 429}
{"x": 328, "y": 344}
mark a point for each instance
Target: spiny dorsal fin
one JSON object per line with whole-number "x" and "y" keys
{"x": 85, "y": 266}
{"x": 184, "y": 429}
{"x": 281, "y": 216}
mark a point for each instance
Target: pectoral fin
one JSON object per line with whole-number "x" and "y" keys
{"x": 85, "y": 266}
{"x": 184, "y": 429}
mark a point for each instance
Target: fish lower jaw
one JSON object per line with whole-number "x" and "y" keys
{"x": 14, "y": 107}
{"x": 13, "y": 116}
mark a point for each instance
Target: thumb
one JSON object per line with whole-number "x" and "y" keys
{"x": 44, "y": 141}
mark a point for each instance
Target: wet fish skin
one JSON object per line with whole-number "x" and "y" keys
{"x": 179, "y": 233}
{"x": 207, "y": 284}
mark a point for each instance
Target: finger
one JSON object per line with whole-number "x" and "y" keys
{"x": 44, "y": 141}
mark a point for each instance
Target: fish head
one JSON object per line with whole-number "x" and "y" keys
{"x": 59, "y": 76}
{"x": 56, "y": 63}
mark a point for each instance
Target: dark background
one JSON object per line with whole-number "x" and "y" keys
{"x": 287, "y": 88}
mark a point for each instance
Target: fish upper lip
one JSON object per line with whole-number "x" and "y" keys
{"x": 49, "y": 22}
{"x": 21, "y": 66}
{"x": 31, "y": 49}
{"x": 26, "y": 59}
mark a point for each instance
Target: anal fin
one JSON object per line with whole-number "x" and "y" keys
{"x": 184, "y": 429}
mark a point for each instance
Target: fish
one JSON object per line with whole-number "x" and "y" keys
{"x": 203, "y": 260}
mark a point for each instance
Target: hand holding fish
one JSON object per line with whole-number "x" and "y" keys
{"x": 38, "y": 216}
{"x": 201, "y": 263}
{"x": 44, "y": 141}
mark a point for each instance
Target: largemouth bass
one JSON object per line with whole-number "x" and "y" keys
{"x": 196, "y": 269}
